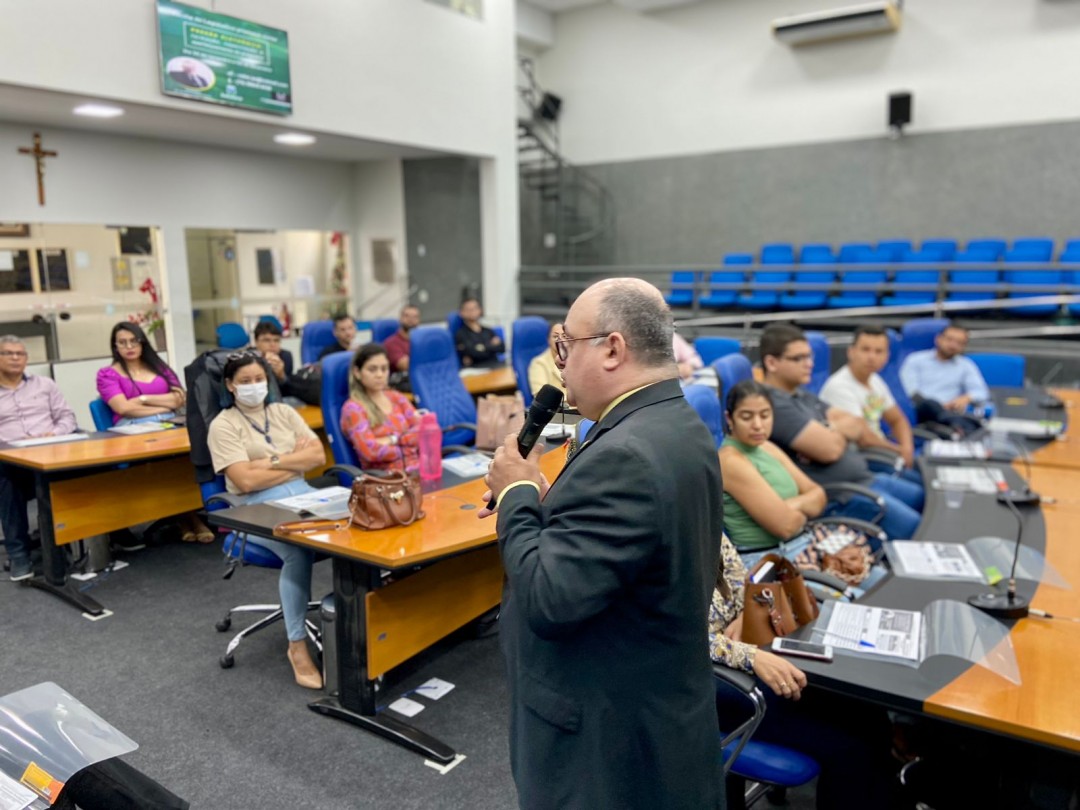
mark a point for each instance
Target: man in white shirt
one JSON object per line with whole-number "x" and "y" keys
{"x": 858, "y": 389}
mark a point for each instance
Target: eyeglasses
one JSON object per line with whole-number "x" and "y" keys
{"x": 128, "y": 344}
{"x": 562, "y": 351}
{"x": 798, "y": 358}
{"x": 14, "y": 354}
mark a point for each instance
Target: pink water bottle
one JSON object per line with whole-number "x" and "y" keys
{"x": 430, "y": 448}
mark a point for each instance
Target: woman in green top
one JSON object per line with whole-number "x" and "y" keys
{"x": 767, "y": 499}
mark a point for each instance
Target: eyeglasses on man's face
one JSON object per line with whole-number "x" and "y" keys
{"x": 11, "y": 353}
{"x": 562, "y": 351}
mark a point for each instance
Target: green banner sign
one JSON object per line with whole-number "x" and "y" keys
{"x": 223, "y": 60}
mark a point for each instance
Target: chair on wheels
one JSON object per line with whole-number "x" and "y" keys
{"x": 205, "y": 400}
{"x": 315, "y": 337}
{"x": 101, "y": 413}
{"x": 753, "y": 769}
{"x": 529, "y": 340}
{"x": 335, "y": 393}
{"x": 382, "y": 328}
{"x": 231, "y": 335}
{"x": 433, "y": 371}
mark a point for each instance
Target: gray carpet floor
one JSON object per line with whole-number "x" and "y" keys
{"x": 243, "y": 737}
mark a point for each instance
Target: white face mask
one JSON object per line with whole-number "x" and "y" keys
{"x": 251, "y": 395}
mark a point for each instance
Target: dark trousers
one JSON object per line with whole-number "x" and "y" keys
{"x": 849, "y": 740}
{"x": 115, "y": 785}
{"x": 16, "y": 492}
{"x": 930, "y": 410}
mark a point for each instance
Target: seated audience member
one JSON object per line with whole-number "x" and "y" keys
{"x": 344, "y": 333}
{"x": 268, "y": 344}
{"x": 381, "y": 423}
{"x": 397, "y": 345}
{"x": 263, "y": 449}
{"x": 30, "y": 406}
{"x": 477, "y": 346}
{"x": 848, "y": 739}
{"x": 942, "y": 383}
{"x": 542, "y": 368}
{"x": 767, "y": 499}
{"x": 821, "y": 439}
{"x": 686, "y": 357}
{"x": 140, "y": 387}
{"x": 858, "y": 389}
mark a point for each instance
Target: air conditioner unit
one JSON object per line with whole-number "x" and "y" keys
{"x": 851, "y": 21}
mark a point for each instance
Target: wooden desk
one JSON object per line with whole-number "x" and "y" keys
{"x": 312, "y": 416}
{"x": 380, "y": 623}
{"x": 1064, "y": 451}
{"x": 496, "y": 381}
{"x": 80, "y": 492}
{"x": 1042, "y": 708}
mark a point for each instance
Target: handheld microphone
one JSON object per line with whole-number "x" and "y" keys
{"x": 543, "y": 409}
{"x": 1009, "y": 605}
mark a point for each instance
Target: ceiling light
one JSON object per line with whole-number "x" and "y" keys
{"x": 294, "y": 139}
{"x": 98, "y": 110}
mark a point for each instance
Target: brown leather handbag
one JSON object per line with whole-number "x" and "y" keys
{"x": 777, "y": 607}
{"x": 381, "y": 501}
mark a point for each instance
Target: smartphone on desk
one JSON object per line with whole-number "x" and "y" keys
{"x": 802, "y": 649}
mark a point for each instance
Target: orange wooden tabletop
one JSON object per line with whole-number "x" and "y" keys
{"x": 1065, "y": 450}
{"x": 1044, "y": 707}
{"x": 450, "y": 526}
{"x": 490, "y": 382}
{"x": 114, "y": 449}
{"x": 312, "y": 416}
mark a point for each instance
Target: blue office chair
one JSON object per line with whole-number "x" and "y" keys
{"x": 713, "y": 348}
{"x": 529, "y": 340}
{"x": 704, "y": 400}
{"x": 335, "y": 393}
{"x": 918, "y": 335}
{"x": 822, "y": 361}
{"x": 453, "y": 323}
{"x": 433, "y": 372}
{"x": 101, "y": 413}
{"x": 731, "y": 369}
{"x": 1000, "y": 370}
{"x": 682, "y": 288}
{"x": 231, "y": 335}
{"x": 271, "y": 319}
{"x": 719, "y": 297}
{"x": 315, "y": 337}
{"x": 382, "y": 328}
{"x": 751, "y": 768}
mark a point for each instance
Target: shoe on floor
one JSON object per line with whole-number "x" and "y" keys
{"x": 21, "y": 570}
{"x": 125, "y": 540}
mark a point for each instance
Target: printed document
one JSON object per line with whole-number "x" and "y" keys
{"x": 921, "y": 559}
{"x": 874, "y": 630}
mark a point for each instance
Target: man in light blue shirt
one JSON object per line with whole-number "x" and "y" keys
{"x": 942, "y": 378}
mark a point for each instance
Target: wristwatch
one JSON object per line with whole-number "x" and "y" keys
{"x": 142, "y": 399}
{"x": 275, "y": 461}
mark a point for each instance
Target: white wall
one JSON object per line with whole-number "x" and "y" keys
{"x": 400, "y": 71}
{"x": 380, "y": 212}
{"x": 710, "y": 77}
{"x": 135, "y": 181}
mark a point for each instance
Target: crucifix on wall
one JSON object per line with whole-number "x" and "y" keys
{"x": 39, "y": 156}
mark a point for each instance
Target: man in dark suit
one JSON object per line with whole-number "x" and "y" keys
{"x": 609, "y": 576}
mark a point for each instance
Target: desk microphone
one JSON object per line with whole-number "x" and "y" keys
{"x": 543, "y": 409}
{"x": 1023, "y": 496}
{"x": 1008, "y": 605}
{"x": 1048, "y": 400}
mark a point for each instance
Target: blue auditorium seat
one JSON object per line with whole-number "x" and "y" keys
{"x": 892, "y": 250}
{"x": 382, "y": 328}
{"x": 718, "y": 298}
{"x": 706, "y": 402}
{"x": 904, "y": 279}
{"x": 822, "y": 361}
{"x": 433, "y": 373}
{"x": 1018, "y": 277}
{"x": 1040, "y": 248}
{"x": 946, "y": 247}
{"x": 530, "y": 338}
{"x": 732, "y": 369}
{"x": 812, "y": 271}
{"x": 335, "y": 393}
{"x": 1000, "y": 370}
{"x": 858, "y": 254}
{"x": 271, "y": 319}
{"x": 315, "y": 336}
{"x": 984, "y": 273}
{"x": 231, "y": 335}
{"x": 779, "y": 254}
{"x": 101, "y": 413}
{"x": 995, "y": 246}
{"x": 918, "y": 335}
{"x": 682, "y": 288}
{"x": 713, "y": 348}
{"x": 816, "y": 253}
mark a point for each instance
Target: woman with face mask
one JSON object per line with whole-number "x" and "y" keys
{"x": 263, "y": 449}
{"x": 140, "y": 387}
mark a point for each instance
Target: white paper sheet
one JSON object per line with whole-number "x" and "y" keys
{"x": 14, "y": 796}
{"x": 935, "y": 559}
{"x": 70, "y": 437}
{"x": 328, "y": 503}
{"x": 873, "y": 630}
{"x": 468, "y": 465}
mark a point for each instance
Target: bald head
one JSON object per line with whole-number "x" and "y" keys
{"x": 636, "y": 309}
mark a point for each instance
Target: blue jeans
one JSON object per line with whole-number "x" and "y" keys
{"x": 294, "y": 583}
{"x": 138, "y": 420}
{"x": 16, "y": 492}
{"x": 903, "y": 503}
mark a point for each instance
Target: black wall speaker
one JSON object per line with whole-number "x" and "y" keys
{"x": 899, "y": 109}
{"x": 549, "y": 107}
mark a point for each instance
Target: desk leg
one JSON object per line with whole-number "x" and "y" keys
{"x": 55, "y": 580}
{"x": 355, "y": 701}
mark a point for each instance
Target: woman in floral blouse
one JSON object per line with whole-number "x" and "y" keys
{"x": 380, "y": 422}
{"x": 849, "y": 740}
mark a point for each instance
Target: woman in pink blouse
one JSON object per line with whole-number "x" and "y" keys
{"x": 381, "y": 423}
{"x": 140, "y": 387}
